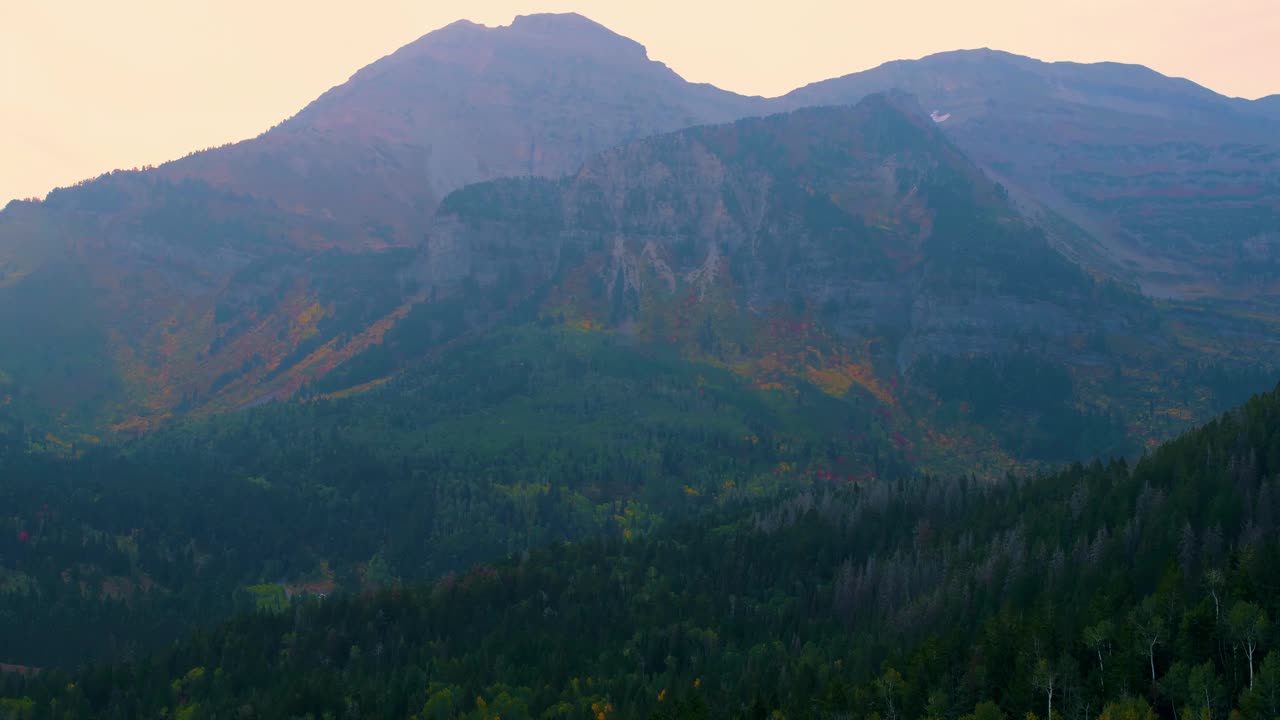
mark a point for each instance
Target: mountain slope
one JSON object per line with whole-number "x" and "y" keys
{"x": 131, "y": 298}
{"x": 241, "y": 275}
{"x": 1269, "y": 104}
{"x": 462, "y": 104}
{"x": 854, "y": 247}
{"x": 1168, "y": 183}
{"x": 226, "y": 272}
{"x": 1100, "y": 591}
{"x": 529, "y": 436}
{"x": 828, "y": 296}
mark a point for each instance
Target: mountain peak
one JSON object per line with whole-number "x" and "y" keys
{"x": 468, "y": 42}
{"x": 574, "y": 33}
{"x": 559, "y": 22}
{"x": 982, "y": 53}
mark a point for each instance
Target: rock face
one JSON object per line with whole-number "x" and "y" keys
{"x": 852, "y": 248}
{"x": 866, "y": 211}
{"x": 1167, "y": 183}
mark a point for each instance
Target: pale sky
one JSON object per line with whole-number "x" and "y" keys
{"x": 91, "y": 85}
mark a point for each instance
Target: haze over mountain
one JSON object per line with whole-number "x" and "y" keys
{"x": 242, "y": 274}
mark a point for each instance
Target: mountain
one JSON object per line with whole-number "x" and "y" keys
{"x": 852, "y": 247}
{"x": 462, "y": 104}
{"x": 310, "y": 257}
{"x": 1153, "y": 180}
{"x": 143, "y": 294}
{"x": 1103, "y": 591}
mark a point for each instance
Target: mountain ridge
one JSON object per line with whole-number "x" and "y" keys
{"x": 461, "y": 104}
{"x": 241, "y": 275}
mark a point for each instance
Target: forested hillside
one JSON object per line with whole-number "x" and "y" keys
{"x": 533, "y": 435}
{"x": 1103, "y": 591}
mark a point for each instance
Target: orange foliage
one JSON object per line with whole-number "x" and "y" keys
{"x": 136, "y": 425}
{"x": 838, "y": 379}
{"x": 835, "y": 373}
{"x": 354, "y": 389}
{"x": 329, "y": 355}
{"x": 324, "y": 586}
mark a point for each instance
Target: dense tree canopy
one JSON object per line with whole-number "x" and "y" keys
{"x": 526, "y": 438}
{"x": 1100, "y": 591}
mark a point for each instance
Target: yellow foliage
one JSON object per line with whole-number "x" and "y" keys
{"x": 54, "y": 440}
{"x": 837, "y": 379}
{"x": 831, "y": 381}
{"x": 309, "y": 318}
{"x": 134, "y": 425}
{"x": 691, "y": 491}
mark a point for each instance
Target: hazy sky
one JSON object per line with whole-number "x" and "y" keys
{"x": 91, "y": 85}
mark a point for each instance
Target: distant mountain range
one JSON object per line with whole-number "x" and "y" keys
{"x": 1095, "y": 248}
{"x": 1165, "y": 183}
